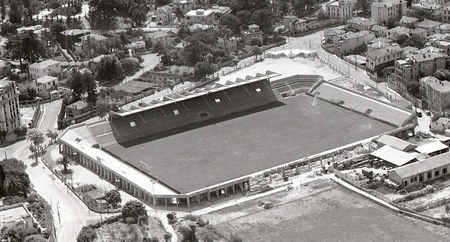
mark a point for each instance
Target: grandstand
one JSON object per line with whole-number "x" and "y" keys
{"x": 189, "y": 107}
{"x": 295, "y": 84}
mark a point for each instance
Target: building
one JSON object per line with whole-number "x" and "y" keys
{"x": 294, "y": 24}
{"x": 392, "y": 157}
{"x": 419, "y": 32}
{"x": 379, "y": 43}
{"x": 432, "y": 8}
{"x": 45, "y": 68}
{"x": 9, "y": 107}
{"x": 432, "y": 149}
{"x": 395, "y": 142}
{"x": 136, "y": 45}
{"x": 436, "y": 93}
{"x": 406, "y": 21}
{"x": 160, "y": 36}
{"x": 442, "y": 29}
{"x": 442, "y": 45}
{"x": 5, "y": 68}
{"x": 17, "y": 217}
{"x": 440, "y": 125}
{"x": 394, "y": 33}
{"x": 446, "y": 14}
{"x": 36, "y": 29}
{"x": 428, "y": 25}
{"x": 163, "y": 15}
{"x": 424, "y": 171}
{"x": 79, "y": 111}
{"x": 347, "y": 43}
{"x": 96, "y": 198}
{"x": 408, "y": 70}
{"x": 342, "y": 10}
{"x": 251, "y": 32}
{"x": 200, "y": 16}
{"x": 45, "y": 85}
{"x": 88, "y": 40}
{"x": 383, "y": 57}
{"x": 361, "y": 23}
{"x": 183, "y": 6}
{"x": 74, "y": 34}
{"x": 228, "y": 44}
{"x": 379, "y": 31}
{"x": 388, "y": 11}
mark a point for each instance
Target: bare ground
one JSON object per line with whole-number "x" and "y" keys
{"x": 322, "y": 211}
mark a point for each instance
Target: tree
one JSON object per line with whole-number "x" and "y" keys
{"x": 158, "y": 48}
{"x": 363, "y": 7}
{"x": 102, "y": 9}
{"x": 80, "y": 84}
{"x": 87, "y": 234}
{"x": 36, "y": 138}
{"x": 102, "y": 108}
{"x": 63, "y": 162}
{"x": 52, "y": 135}
{"x": 230, "y": 21}
{"x": 263, "y": 18}
{"x": 13, "y": 185}
{"x": 133, "y": 209}
{"x": 402, "y": 40}
{"x": 15, "y": 14}
{"x": 183, "y": 32}
{"x": 256, "y": 42}
{"x": 32, "y": 47}
{"x": 113, "y": 197}
{"x": 193, "y": 50}
{"x": 109, "y": 68}
{"x": 129, "y": 64}
{"x": 162, "y": 2}
{"x": 201, "y": 69}
{"x": 244, "y": 16}
{"x": 442, "y": 74}
{"x": 417, "y": 41}
{"x": 256, "y": 51}
{"x": 322, "y": 15}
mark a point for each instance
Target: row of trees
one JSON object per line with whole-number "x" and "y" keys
{"x": 105, "y": 9}
{"x": 25, "y": 46}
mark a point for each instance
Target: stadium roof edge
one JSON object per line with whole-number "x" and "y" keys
{"x": 171, "y": 98}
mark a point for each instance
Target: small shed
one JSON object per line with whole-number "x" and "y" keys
{"x": 433, "y": 148}
{"x": 393, "y": 157}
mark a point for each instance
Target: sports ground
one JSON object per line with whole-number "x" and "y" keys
{"x": 321, "y": 211}
{"x": 205, "y": 155}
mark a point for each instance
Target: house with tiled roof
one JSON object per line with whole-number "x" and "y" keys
{"x": 405, "y": 20}
{"x": 159, "y": 36}
{"x": 394, "y": 33}
{"x": 442, "y": 29}
{"x": 346, "y": 43}
{"x": 379, "y": 30}
{"x": 428, "y": 25}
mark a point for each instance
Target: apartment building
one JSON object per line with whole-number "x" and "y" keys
{"x": 385, "y": 11}
{"x": 432, "y": 8}
{"x": 346, "y": 43}
{"x": 421, "y": 63}
{"x": 436, "y": 92}
{"x": 380, "y": 58}
{"x": 183, "y": 6}
{"x": 342, "y": 10}
{"x": 9, "y": 107}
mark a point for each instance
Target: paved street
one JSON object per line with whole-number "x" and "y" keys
{"x": 50, "y": 116}
{"x": 150, "y": 61}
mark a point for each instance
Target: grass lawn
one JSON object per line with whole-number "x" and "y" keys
{"x": 332, "y": 213}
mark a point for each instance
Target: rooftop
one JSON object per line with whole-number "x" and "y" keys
{"x": 423, "y": 166}
{"x": 408, "y": 20}
{"x": 385, "y": 3}
{"x": 431, "y": 147}
{"x": 428, "y": 24}
{"x": 44, "y": 64}
{"x": 392, "y": 49}
{"x": 72, "y": 32}
{"x": 46, "y": 79}
{"x": 362, "y": 21}
{"x": 157, "y": 34}
{"x": 395, "y": 142}
{"x": 94, "y": 36}
{"x": 393, "y": 156}
{"x": 13, "y": 213}
{"x": 78, "y": 105}
{"x": 443, "y": 120}
{"x": 199, "y": 12}
{"x": 436, "y": 84}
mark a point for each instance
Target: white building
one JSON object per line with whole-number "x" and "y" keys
{"x": 44, "y": 85}
{"x": 342, "y": 10}
{"x": 45, "y": 68}
{"x": 386, "y": 11}
{"x": 200, "y": 16}
{"x": 17, "y": 217}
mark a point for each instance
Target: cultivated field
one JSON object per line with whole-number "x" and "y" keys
{"x": 321, "y": 211}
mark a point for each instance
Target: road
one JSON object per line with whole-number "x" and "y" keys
{"x": 150, "y": 61}
{"x": 50, "y": 116}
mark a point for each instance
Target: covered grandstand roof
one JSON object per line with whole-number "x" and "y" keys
{"x": 431, "y": 147}
{"x": 361, "y": 103}
{"x": 393, "y": 156}
{"x": 198, "y": 92}
{"x": 423, "y": 166}
{"x": 395, "y": 142}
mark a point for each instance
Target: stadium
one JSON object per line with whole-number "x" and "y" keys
{"x": 198, "y": 145}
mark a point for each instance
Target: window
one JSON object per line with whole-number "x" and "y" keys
{"x": 217, "y": 100}
{"x": 132, "y": 124}
{"x": 258, "y": 89}
{"x": 429, "y": 175}
{"x": 444, "y": 171}
{"x": 436, "y": 173}
{"x": 176, "y": 112}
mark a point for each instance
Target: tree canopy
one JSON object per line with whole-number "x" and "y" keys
{"x": 133, "y": 209}
{"x": 203, "y": 68}
{"x": 109, "y": 68}
{"x": 113, "y": 197}
{"x": 36, "y": 138}
{"x": 80, "y": 83}
{"x": 87, "y": 234}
